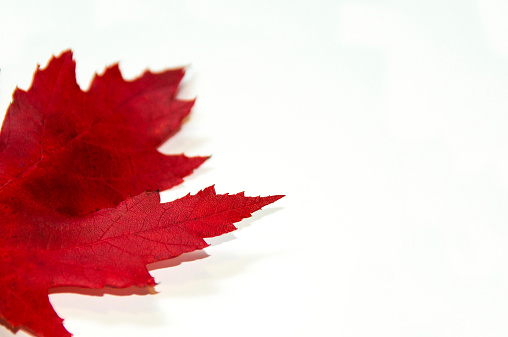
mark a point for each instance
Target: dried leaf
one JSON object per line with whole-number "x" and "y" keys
{"x": 70, "y": 162}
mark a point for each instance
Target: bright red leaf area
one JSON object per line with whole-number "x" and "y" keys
{"x": 74, "y": 170}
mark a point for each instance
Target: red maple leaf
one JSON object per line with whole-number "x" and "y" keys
{"x": 74, "y": 168}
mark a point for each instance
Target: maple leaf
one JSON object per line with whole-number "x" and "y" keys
{"x": 70, "y": 162}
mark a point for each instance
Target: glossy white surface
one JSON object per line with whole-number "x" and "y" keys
{"x": 385, "y": 124}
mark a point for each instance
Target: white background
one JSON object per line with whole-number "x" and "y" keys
{"x": 384, "y": 122}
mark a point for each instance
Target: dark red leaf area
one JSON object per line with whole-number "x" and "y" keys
{"x": 74, "y": 170}
{"x": 74, "y": 152}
